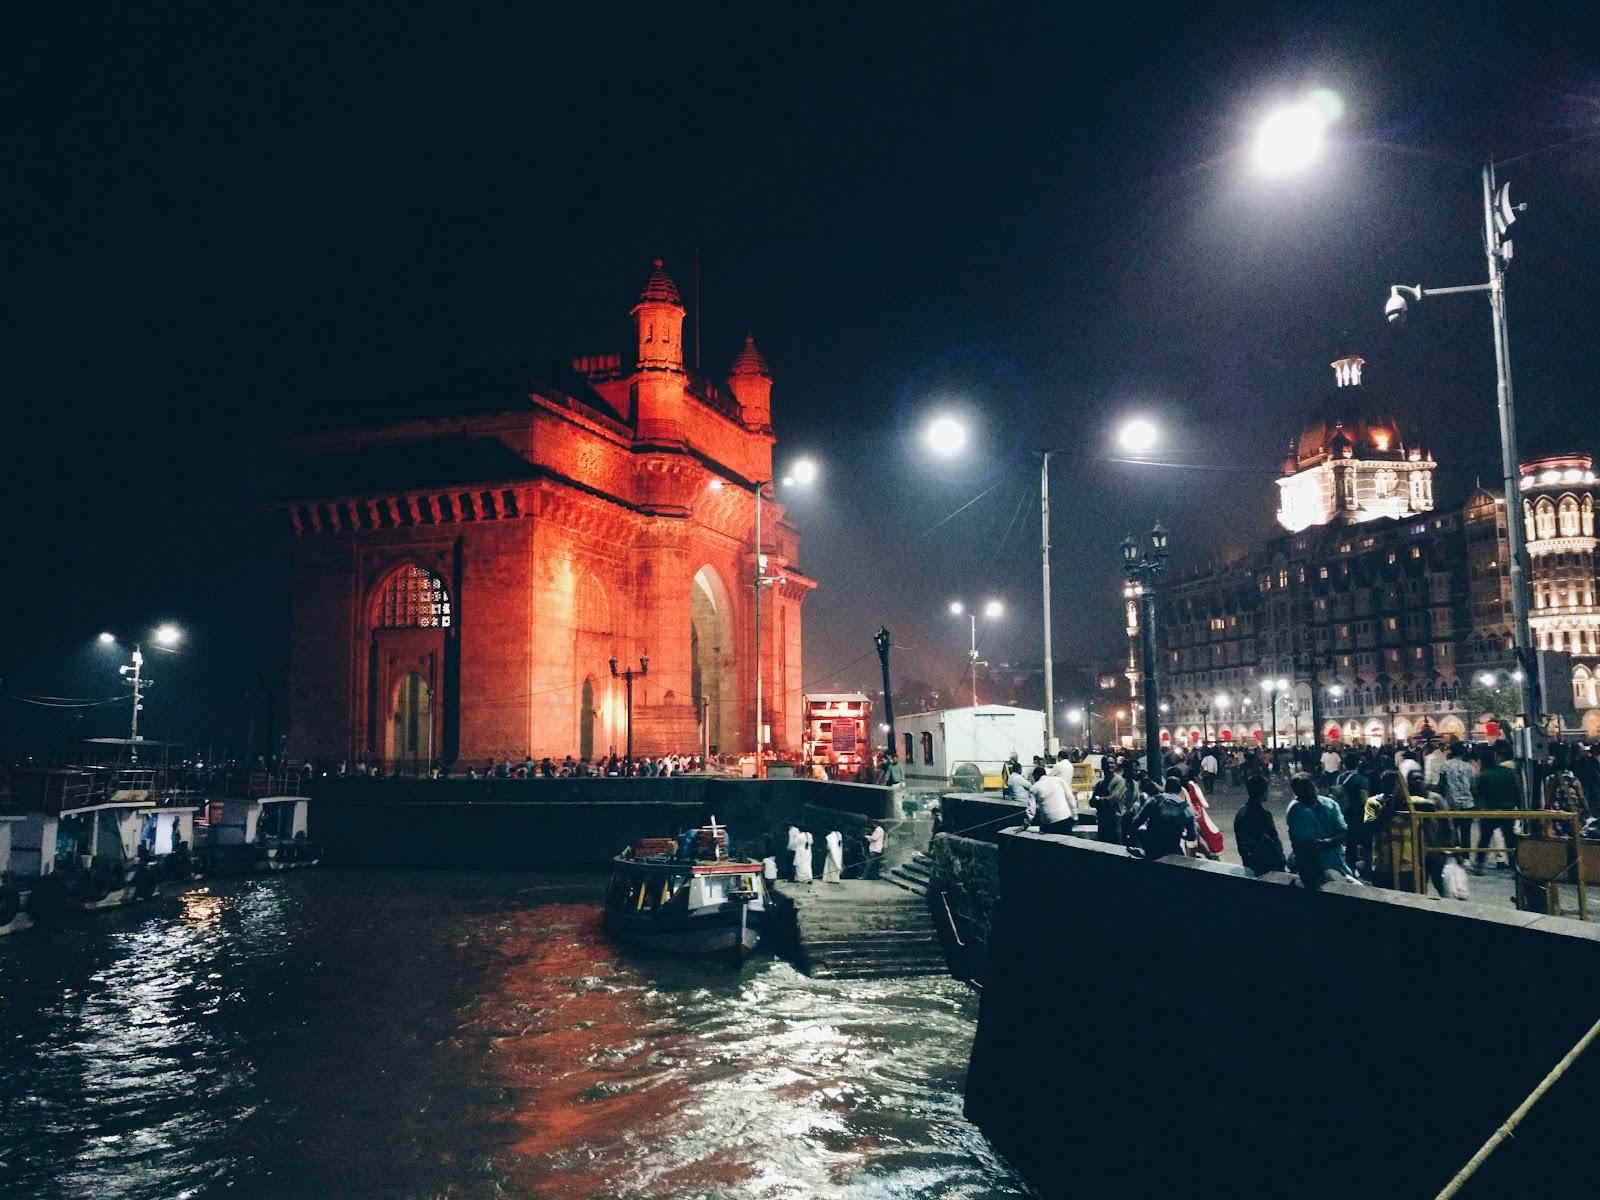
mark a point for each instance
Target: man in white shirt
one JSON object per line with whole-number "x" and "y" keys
{"x": 1332, "y": 763}
{"x": 1057, "y": 812}
{"x": 1208, "y": 770}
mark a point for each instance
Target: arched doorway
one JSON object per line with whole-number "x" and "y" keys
{"x": 586, "y": 722}
{"x": 411, "y": 686}
{"x": 411, "y": 727}
{"x": 712, "y": 684}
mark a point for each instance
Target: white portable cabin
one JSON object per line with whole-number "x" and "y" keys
{"x": 934, "y": 745}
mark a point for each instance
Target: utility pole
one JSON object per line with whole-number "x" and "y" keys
{"x": 1044, "y": 553}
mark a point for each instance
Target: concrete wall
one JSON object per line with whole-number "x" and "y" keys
{"x": 498, "y": 823}
{"x": 1174, "y": 1027}
{"x": 980, "y": 815}
{"x": 966, "y": 873}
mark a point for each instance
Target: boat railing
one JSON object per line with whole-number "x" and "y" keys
{"x": 288, "y": 782}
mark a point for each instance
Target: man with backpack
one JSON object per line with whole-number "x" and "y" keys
{"x": 1350, "y": 790}
{"x": 1164, "y": 823}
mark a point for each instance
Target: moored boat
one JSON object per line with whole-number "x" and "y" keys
{"x": 13, "y": 899}
{"x": 686, "y": 896}
{"x": 92, "y": 838}
{"x": 259, "y": 833}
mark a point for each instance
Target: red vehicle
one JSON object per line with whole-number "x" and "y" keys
{"x": 837, "y": 733}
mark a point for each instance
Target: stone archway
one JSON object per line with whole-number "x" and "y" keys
{"x": 713, "y": 685}
{"x": 411, "y": 725}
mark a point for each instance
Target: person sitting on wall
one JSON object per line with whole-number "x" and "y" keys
{"x": 1317, "y": 832}
{"x": 1256, "y": 833}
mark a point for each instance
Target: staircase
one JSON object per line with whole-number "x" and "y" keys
{"x": 914, "y": 875}
{"x": 864, "y": 929}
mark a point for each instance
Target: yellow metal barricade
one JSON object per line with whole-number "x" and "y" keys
{"x": 1551, "y": 858}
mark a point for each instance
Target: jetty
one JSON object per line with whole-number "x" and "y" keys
{"x": 862, "y": 929}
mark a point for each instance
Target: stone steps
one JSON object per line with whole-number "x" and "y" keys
{"x": 864, "y": 929}
{"x": 914, "y": 875}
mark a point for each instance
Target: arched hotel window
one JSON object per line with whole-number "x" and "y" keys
{"x": 413, "y": 598}
{"x": 1544, "y": 518}
{"x": 1568, "y": 511}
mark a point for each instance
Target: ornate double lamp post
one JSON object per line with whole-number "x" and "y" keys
{"x": 627, "y": 678}
{"x": 1142, "y": 568}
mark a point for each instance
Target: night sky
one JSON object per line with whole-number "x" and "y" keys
{"x": 220, "y": 223}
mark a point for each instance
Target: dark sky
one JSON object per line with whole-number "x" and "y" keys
{"x": 219, "y": 221}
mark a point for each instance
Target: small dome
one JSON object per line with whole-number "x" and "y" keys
{"x": 660, "y": 289}
{"x": 749, "y": 360}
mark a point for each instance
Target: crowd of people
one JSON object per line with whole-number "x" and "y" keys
{"x": 610, "y": 765}
{"x": 1349, "y": 813}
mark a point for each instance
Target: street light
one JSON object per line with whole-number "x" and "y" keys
{"x": 1274, "y": 688}
{"x": 1290, "y": 138}
{"x": 165, "y": 637}
{"x": 991, "y": 610}
{"x": 1137, "y": 436}
{"x": 945, "y": 436}
{"x": 802, "y": 472}
{"x": 1498, "y": 216}
{"x": 628, "y": 677}
{"x": 1141, "y": 571}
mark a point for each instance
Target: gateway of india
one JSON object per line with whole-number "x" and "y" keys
{"x": 474, "y": 566}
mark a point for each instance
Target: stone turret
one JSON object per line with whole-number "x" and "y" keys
{"x": 750, "y": 381}
{"x": 658, "y": 381}
{"x": 658, "y": 320}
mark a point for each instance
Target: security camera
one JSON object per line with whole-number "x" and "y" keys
{"x": 1395, "y": 309}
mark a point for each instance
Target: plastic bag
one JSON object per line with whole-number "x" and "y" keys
{"x": 1455, "y": 881}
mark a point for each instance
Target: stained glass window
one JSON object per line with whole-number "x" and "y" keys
{"x": 414, "y": 598}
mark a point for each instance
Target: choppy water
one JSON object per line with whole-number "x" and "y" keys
{"x": 362, "y": 1034}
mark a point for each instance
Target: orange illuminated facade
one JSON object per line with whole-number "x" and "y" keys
{"x": 467, "y": 562}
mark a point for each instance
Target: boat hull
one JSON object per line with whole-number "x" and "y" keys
{"x": 700, "y": 933}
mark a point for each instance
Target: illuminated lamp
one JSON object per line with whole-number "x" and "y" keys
{"x": 1226, "y": 735}
{"x": 1333, "y": 734}
{"x": 1380, "y": 439}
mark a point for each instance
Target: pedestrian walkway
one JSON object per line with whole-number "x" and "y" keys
{"x": 863, "y": 929}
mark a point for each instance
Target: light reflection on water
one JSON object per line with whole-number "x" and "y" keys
{"x": 357, "y": 1034}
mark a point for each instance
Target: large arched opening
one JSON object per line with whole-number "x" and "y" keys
{"x": 409, "y": 681}
{"x": 712, "y": 681}
{"x": 594, "y": 642}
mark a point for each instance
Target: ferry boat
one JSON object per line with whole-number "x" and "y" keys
{"x": 259, "y": 833}
{"x": 686, "y": 896}
{"x": 88, "y": 838}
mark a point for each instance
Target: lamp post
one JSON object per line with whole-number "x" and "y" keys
{"x": 627, "y": 678}
{"x": 164, "y": 637}
{"x": 1274, "y": 688}
{"x": 1142, "y": 569}
{"x": 991, "y": 610}
{"x": 1116, "y": 725}
{"x": 804, "y": 471}
{"x": 1498, "y": 215}
{"x": 1137, "y": 436}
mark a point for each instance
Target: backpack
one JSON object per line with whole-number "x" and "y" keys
{"x": 1164, "y": 824}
